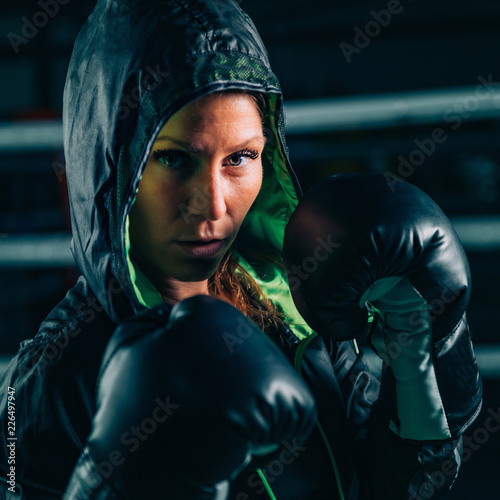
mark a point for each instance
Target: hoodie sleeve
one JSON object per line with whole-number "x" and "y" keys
{"x": 52, "y": 379}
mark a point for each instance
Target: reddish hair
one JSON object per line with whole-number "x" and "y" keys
{"x": 233, "y": 284}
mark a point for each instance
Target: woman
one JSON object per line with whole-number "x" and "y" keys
{"x": 180, "y": 189}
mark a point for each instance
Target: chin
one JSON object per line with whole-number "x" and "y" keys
{"x": 200, "y": 270}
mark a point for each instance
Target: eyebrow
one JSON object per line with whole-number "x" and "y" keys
{"x": 194, "y": 149}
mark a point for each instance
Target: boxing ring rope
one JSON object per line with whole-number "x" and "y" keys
{"x": 321, "y": 115}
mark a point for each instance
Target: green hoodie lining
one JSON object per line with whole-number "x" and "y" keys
{"x": 145, "y": 292}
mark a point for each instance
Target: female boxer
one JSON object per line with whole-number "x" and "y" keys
{"x": 178, "y": 366}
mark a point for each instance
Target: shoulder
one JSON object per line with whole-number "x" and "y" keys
{"x": 76, "y": 330}
{"x": 54, "y": 376}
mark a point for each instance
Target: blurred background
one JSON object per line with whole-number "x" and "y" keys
{"x": 406, "y": 88}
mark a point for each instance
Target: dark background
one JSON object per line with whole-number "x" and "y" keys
{"x": 425, "y": 47}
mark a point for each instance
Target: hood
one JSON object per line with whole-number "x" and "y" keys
{"x": 134, "y": 64}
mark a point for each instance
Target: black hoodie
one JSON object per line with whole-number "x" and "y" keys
{"x": 134, "y": 64}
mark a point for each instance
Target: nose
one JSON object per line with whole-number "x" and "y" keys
{"x": 208, "y": 197}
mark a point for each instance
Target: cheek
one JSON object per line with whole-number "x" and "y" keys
{"x": 152, "y": 208}
{"x": 248, "y": 191}
{"x": 256, "y": 183}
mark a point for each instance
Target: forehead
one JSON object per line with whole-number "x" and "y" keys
{"x": 231, "y": 113}
{"x": 224, "y": 106}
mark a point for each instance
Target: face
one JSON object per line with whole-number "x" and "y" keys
{"x": 202, "y": 177}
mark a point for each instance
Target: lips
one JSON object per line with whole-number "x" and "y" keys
{"x": 202, "y": 248}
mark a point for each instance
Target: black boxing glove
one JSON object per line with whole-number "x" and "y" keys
{"x": 182, "y": 408}
{"x": 391, "y": 252}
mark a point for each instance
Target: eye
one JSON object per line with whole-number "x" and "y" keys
{"x": 172, "y": 158}
{"x": 242, "y": 158}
